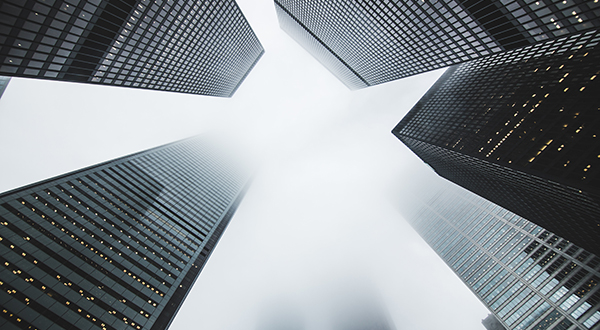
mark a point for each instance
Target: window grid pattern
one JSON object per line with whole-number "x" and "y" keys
{"x": 319, "y": 50}
{"x": 116, "y": 245}
{"x": 554, "y": 206}
{"x": 507, "y": 120}
{"x": 380, "y": 41}
{"x": 528, "y": 277}
{"x": 198, "y": 47}
{"x": 543, "y": 20}
{"x": 520, "y": 123}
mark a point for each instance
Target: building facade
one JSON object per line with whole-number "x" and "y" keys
{"x": 528, "y": 277}
{"x": 117, "y": 245}
{"x": 197, "y": 47}
{"x": 520, "y": 129}
{"x": 370, "y": 42}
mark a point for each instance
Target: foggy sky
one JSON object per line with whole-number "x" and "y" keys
{"x": 319, "y": 212}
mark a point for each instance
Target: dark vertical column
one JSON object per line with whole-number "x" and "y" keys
{"x": 489, "y": 16}
{"x": 101, "y": 36}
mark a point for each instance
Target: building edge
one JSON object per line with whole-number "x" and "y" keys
{"x": 28, "y": 186}
{"x": 247, "y": 73}
{"x": 188, "y": 282}
{"x": 315, "y": 37}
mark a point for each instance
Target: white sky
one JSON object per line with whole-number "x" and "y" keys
{"x": 319, "y": 210}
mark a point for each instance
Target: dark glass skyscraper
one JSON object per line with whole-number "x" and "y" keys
{"x": 528, "y": 277}
{"x": 370, "y": 42}
{"x": 521, "y": 129}
{"x": 198, "y": 47}
{"x": 117, "y": 245}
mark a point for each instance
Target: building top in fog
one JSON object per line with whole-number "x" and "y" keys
{"x": 492, "y": 323}
{"x": 358, "y": 309}
{"x": 520, "y": 129}
{"x": 366, "y": 43}
{"x": 281, "y": 316}
{"x": 117, "y": 245}
{"x": 528, "y": 277}
{"x": 197, "y": 47}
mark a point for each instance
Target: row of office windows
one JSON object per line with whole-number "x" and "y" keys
{"x": 200, "y": 48}
{"x": 98, "y": 247}
{"x": 371, "y": 38}
{"x": 524, "y": 274}
{"x": 34, "y": 244}
{"x": 510, "y": 127}
{"x": 166, "y": 46}
{"x": 320, "y": 50}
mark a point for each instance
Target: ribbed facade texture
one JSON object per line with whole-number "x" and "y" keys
{"x": 117, "y": 245}
{"x": 369, "y": 42}
{"x": 528, "y": 277}
{"x": 520, "y": 128}
{"x": 197, "y": 47}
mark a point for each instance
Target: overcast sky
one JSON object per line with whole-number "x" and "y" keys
{"x": 319, "y": 214}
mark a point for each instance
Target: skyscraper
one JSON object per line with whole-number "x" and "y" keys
{"x": 117, "y": 245}
{"x": 370, "y": 42}
{"x": 197, "y": 47}
{"x": 520, "y": 129}
{"x": 528, "y": 277}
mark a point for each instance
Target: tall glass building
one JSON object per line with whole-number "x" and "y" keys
{"x": 117, "y": 245}
{"x": 528, "y": 277}
{"x": 520, "y": 128}
{"x": 197, "y": 47}
{"x": 370, "y": 42}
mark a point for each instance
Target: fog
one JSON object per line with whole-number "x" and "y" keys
{"x": 320, "y": 215}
